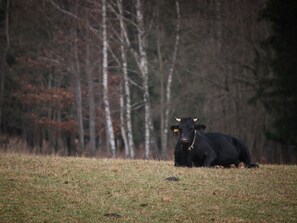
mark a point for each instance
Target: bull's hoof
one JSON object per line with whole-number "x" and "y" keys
{"x": 232, "y": 166}
{"x": 253, "y": 165}
{"x": 241, "y": 165}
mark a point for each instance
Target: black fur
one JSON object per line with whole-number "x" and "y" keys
{"x": 207, "y": 149}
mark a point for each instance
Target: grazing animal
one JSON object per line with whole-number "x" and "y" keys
{"x": 194, "y": 147}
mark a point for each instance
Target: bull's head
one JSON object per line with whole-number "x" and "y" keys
{"x": 186, "y": 129}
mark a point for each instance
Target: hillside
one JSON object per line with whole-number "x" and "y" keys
{"x": 57, "y": 189}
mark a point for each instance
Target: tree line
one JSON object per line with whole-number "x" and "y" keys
{"x": 107, "y": 77}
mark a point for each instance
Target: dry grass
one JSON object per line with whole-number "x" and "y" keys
{"x": 56, "y": 189}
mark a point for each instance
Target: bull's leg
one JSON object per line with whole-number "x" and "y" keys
{"x": 245, "y": 158}
{"x": 182, "y": 157}
{"x": 244, "y": 155}
{"x": 177, "y": 163}
{"x": 209, "y": 158}
{"x": 253, "y": 165}
{"x": 178, "y": 156}
{"x": 188, "y": 159}
{"x": 178, "y": 159}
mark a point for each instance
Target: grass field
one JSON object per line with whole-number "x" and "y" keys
{"x": 57, "y": 189}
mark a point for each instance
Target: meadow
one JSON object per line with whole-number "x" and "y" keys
{"x": 73, "y": 189}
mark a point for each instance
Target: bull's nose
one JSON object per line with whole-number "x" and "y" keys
{"x": 184, "y": 140}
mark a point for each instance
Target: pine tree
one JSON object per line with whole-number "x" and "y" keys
{"x": 279, "y": 88}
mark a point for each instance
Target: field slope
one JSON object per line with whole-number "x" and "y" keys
{"x": 56, "y": 189}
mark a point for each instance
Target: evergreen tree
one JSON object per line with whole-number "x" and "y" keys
{"x": 279, "y": 90}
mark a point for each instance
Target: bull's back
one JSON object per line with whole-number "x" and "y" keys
{"x": 227, "y": 153}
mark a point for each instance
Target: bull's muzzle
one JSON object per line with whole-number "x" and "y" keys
{"x": 184, "y": 140}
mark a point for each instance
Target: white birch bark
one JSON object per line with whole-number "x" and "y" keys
{"x": 169, "y": 83}
{"x": 141, "y": 60}
{"x": 126, "y": 84}
{"x": 161, "y": 72}
{"x": 122, "y": 120}
{"x": 109, "y": 126}
{"x": 143, "y": 66}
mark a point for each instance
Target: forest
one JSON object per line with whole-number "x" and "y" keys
{"x": 106, "y": 78}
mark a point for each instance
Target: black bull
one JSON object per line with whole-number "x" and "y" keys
{"x": 207, "y": 149}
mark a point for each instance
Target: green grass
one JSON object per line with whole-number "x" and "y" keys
{"x": 56, "y": 189}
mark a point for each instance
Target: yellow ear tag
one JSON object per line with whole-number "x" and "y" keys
{"x": 175, "y": 130}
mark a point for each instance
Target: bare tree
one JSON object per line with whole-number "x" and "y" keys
{"x": 123, "y": 124}
{"x": 6, "y": 53}
{"x": 126, "y": 84}
{"x": 212, "y": 74}
{"x": 167, "y": 101}
{"x": 142, "y": 63}
{"x": 143, "y": 66}
{"x": 91, "y": 98}
{"x": 77, "y": 84}
{"x": 110, "y": 132}
{"x": 161, "y": 72}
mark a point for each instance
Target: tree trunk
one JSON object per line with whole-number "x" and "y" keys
{"x": 50, "y": 116}
{"x": 127, "y": 94}
{"x": 161, "y": 71}
{"x": 110, "y": 132}
{"x": 2, "y": 80}
{"x": 168, "y": 86}
{"x": 92, "y": 133}
{"x": 141, "y": 60}
{"x": 143, "y": 66}
{"x": 78, "y": 94}
{"x": 218, "y": 25}
{"x": 122, "y": 120}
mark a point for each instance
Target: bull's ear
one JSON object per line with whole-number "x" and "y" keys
{"x": 200, "y": 127}
{"x": 174, "y": 128}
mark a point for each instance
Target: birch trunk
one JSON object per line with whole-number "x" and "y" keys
{"x": 143, "y": 66}
{"x": 92, "y": 132}
{"x": 161, "y": 71}
{"x": 110, "y": 132}
{"x": 127, "y": 94}
{"x": 122, "y": 119}
{"x": 168, "y": 86}
{"x": 141, "y": 60}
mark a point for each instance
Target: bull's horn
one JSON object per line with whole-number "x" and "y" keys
{"x": 177, "y": 119}
{"x": 195, "y": 119}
